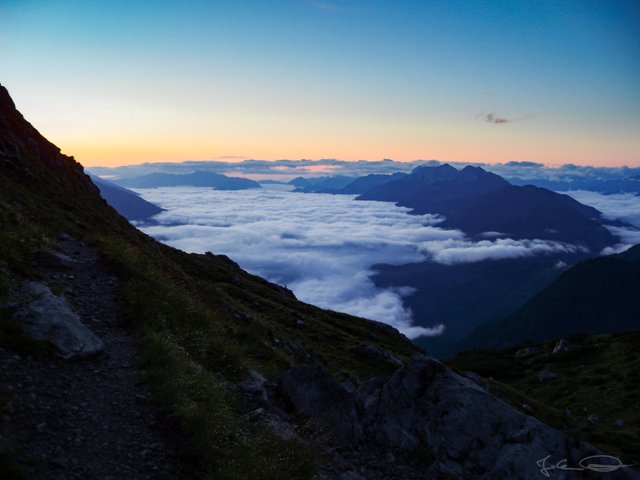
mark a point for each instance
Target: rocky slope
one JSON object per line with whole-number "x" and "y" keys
{"x": 257, "y": 384}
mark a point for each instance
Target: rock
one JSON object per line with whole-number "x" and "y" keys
{"x": 64, "y": 237}
{"x": 297, "y": 350}
{"x": 313, "y": 392}
{"x": 376, "y": 353}
{"x": 55, "y": 260}
{"x": 561, "y": 346}
{"x": 254, "y": 382}
{"x": 528, "y": 351}
{"x": 547, "y": 375}
{"x": 477, "y": 379}
{"x": 351, "y": 476}
{"x": 255, "y": 386}
{"x": 50, "y": 318}
{"x": 35, "y": 289}
{"x": 278, "y": 426}
{"x": 462, "y": 430}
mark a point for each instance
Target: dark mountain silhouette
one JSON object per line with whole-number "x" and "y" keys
{"x": 364, "y": 184}
{"x": 127, "y": 203}
{"x": 195, "y": 179}
{"x": 331, "y": 184}
{"x": 464, "y": 296}
{"x": 595, "y": 296}
{"x": 477, "y": 201}
{"x": 300, "y": 182}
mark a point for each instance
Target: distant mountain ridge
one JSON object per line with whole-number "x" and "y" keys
{"x": 364, "y": 184}
{"x": 127, "y": 203}
{"x": 194, "y": 179}
{"x": 327, "y": 184}
{"x": 476, "y": 201}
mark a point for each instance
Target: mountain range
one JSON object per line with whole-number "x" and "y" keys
{"x": 194, "y": 179}
{"x": 476, "y": 201}
{"x": 245, "y": 381}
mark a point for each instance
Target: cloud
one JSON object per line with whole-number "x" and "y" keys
{"x": 619, "y": 206}
{"x": 456, "y": 251}
{"x": 497, "y": 119}
{"x": 287, "y": 169}
{"x": 494, "y": 118}
{"x": 323, "y": 247}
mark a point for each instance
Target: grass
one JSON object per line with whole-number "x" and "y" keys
{"x": 601, "y": 377}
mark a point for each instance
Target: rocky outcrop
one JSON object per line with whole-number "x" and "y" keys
{"x": 439, "y": 423}
{"x": 48, "y": 317}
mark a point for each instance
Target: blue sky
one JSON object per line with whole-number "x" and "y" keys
{"x": 122, "y": 82}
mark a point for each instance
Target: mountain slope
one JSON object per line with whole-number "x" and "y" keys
{"x": 476, "y": 201}
{"x": 127, "y": 203}
{"x": 595, "y": 296}
{"x": 592, "y": 390}
{"x": 331, "y": 184}
{"x": 364, "y": 184}
{"x": 195, "y": 179}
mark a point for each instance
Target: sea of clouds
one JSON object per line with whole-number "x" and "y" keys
{"x": 323, "y": 247}
{"x": 619, "y": 206}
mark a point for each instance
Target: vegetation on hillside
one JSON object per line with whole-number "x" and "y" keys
{"x": 595, "y": 396}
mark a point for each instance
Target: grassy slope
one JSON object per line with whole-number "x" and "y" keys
{"x": 595, "y": 296}
{"x": 202, "y": 320}
{"x": 602, "y": 377}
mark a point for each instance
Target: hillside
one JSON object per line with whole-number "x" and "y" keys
{"x": 364, "y": 184}
{"x": 591, "y": 385}
{"x": 595, "y": 296}
{"x": 476, "y": 201}
{"x": 243, "y": 380}
{"x": 127, "y": 203}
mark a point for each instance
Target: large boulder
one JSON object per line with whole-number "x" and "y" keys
{"x": 313, "y": 392}
{"x": 48, "y": 317}
{"x": 427, "y": 411}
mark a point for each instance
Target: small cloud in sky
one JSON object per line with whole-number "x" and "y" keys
{"x": 494, "y": 118}
{"x": 499, "y": 120}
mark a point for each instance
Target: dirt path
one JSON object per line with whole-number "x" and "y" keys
{"x": 87, "y": 419}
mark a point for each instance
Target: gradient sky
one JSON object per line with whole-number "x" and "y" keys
{"x": 123, "y": 81}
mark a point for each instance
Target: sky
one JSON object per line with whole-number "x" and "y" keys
{"x": 121, "y": 82}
